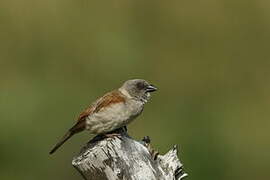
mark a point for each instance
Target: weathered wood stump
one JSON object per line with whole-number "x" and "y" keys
{"x": 122, "y": 157}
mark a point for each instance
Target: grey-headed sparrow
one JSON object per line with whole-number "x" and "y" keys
{"x": 114, "y": 110}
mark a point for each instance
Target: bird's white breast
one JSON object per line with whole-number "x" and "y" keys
{"x": 114, "y": 116}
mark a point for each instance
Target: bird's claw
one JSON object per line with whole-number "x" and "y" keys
{"x": 113, "y": 135}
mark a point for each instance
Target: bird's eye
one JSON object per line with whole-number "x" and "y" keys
{"x": 140, "y": 85}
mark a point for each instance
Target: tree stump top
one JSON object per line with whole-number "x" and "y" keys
{"x": 122, "y": 157}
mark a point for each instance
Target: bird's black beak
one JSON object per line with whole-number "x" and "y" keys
{"x": 151, "y": 88}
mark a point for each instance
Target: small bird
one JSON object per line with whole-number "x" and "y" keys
{"x": 114, "y": 110}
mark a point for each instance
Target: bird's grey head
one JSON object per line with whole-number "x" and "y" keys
{"x": 138, "y": 88}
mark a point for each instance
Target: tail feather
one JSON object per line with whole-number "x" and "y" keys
{"x": 62, "y": 141}
{"x": 78, "y": 127}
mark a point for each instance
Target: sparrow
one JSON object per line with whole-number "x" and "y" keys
{"x": 114, "y": 110}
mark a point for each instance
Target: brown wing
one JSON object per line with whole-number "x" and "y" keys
{"x": 109, "y": 99}
{"x": 105, "y": 101}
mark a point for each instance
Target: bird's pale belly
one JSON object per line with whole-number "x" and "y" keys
{"x": 114, "y": 117}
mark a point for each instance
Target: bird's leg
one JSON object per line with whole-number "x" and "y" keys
{"x": 112, "y": 135}
{"x": 100, "y": 137}
{"x": 117, "y": 133}
{"x": 122, "y": 131}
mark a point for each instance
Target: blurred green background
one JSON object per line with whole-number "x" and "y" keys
{"x": 210, "y": 60}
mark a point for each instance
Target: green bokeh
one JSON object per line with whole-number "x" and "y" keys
{"x": 210, "y": 60}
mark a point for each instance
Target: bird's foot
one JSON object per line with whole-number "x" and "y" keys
{"x": 112, "y": 135}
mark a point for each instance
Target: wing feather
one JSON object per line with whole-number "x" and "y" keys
{"x": 107, "y": 100}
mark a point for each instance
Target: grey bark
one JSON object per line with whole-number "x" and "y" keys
{"x": 123, "y": 158}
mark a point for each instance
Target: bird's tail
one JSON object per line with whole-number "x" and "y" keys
{"x": 75, "y": 129}
{"x": 62, "y": 141}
